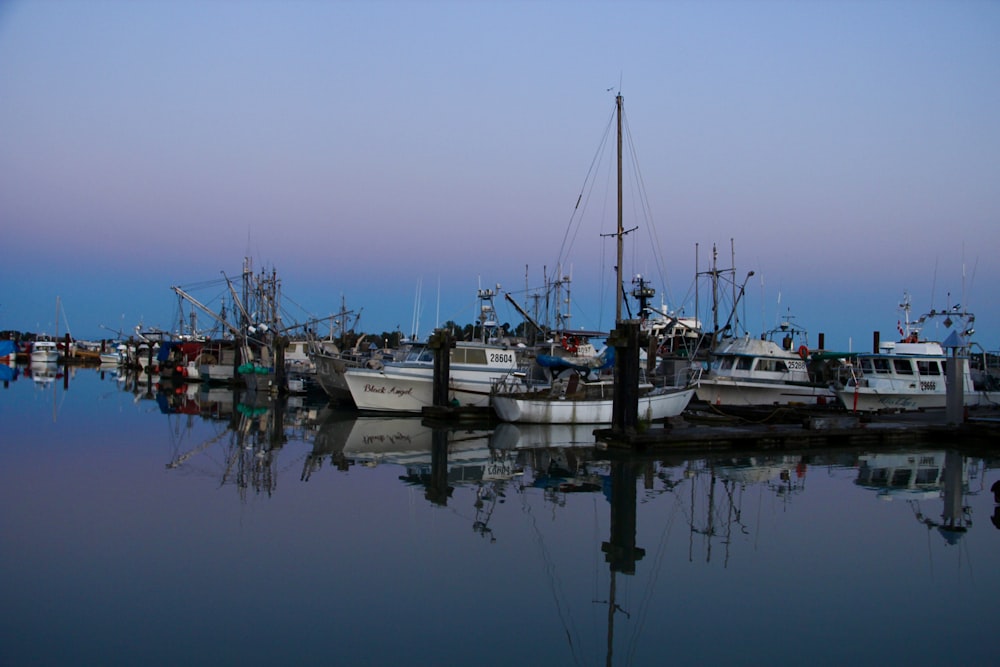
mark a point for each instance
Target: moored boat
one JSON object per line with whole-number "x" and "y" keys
{"x": 407, "y": 385}
{"x": 749, "y": 371}
{"x": 44, "y": 351}
{"x": 582, "y": 391}
{"x": 912, "y": 373}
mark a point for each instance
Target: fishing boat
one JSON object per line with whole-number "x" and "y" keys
{"x": 749, "y": 371}
{"x": 573, "y": 393}
{"x": 44, "y": 352}
{"x": 407, "y": 385}
{"x": 911, "y": 374}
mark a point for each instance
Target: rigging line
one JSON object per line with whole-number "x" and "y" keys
{"x": 642, "y": 614}
{"x": 643, "y": 200}
{"x": 586, "y": 188}
{"x": 549, "y": 570}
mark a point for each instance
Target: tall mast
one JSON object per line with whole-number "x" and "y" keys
{"x": 618, "y": 268}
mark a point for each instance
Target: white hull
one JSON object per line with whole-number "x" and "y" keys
{"x": 866, "y": 399}
{"x": 44, "y": 352}
{"x": 907, "y": 376}
{"x": 387, "y": 390}
{"x": 742, "y": 392}
{"x": 657, "y": 404}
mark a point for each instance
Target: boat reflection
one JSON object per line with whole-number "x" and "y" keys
{"x": 924, "y": 476}
{"x": 483, "y": 468}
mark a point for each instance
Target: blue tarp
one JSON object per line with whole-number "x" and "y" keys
{"x": 7, "y": 373}
{"x": 607, "y": 358}
{"x": 7, "y": 347}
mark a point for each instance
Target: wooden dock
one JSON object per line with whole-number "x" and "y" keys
{"x": 706, "y": 431}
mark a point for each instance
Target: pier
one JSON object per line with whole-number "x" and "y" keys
{"x": 707, "y": 431}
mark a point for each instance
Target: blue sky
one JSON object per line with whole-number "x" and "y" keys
{"x": 403, "y": 153}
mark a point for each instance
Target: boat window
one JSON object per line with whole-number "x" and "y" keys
{"x": 744, "y": 363}
{"x": 425, "y": 354}
{"x": 881, "y": 365}
{"x": 772, "y": 365}
{"x": 903, "y": 366}
{"x": 901, "y": 477}
{"x": 928, "y": 368}
{"x": 475, "y": 356}
{"x": 725, "y": 363}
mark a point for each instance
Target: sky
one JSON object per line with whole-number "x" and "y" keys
{"x": 398, "y": 156}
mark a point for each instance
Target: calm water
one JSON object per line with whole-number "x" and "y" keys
{"x": 254, "y": 534}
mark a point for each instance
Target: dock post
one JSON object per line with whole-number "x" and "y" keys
{"x": 437, "y": 490}
{"x": 620, "y": 551}
{"x": 280, "y": 374}
{"x": 441, "y": 342}
{"x": 955, "y": 400}
{"x": 625, "y": 412}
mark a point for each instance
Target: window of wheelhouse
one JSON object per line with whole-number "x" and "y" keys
{"x": 902, "y": 366}
{"x": 744, "y": 363}
{"x": 772, "y": 365}
{"x": 928, "y": 368}
{"x": 880, "y": 365}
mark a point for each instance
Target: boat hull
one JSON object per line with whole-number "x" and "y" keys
{"x": 867, "y": 399}
{"x": 655, "y": 405}
{"x": 384, "y": 390}
{"x": 743, "y": 392}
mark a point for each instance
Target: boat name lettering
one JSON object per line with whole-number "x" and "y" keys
{"x": 375, "y": 389}
{"x": 381, "y": 439}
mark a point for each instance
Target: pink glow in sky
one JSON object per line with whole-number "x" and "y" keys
{"x": 850, "y": 149}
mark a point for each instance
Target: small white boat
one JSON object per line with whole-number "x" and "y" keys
{"x": 44, "y": 351}
{"x": 582, "y": 391}
{"x": 586, "y": 403}
{"x": 911, "y": 374}
{"x": 751, "y": 371}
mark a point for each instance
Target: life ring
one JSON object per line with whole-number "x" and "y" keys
{"x": 569, "y": 344}
{"x": 803, "y": 351}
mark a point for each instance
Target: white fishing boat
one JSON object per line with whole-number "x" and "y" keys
{"x": 580, "y": 393}
{"x": 911, "y": 374}
{"x": 749, "y": 371}
{"x": 407, "y": 385}
{"x": 44, "y": 352}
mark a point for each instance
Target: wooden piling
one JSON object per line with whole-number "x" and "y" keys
{"x": 625, "y": 412}
{"x": 441, "y": 342}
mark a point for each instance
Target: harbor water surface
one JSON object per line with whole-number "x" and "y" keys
{"x": 197, "y": 528}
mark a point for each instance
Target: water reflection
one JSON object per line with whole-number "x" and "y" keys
{"x": 926, "y": 475}
{"x": 536, "y": 523}
{"x": 560, "y": 460}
